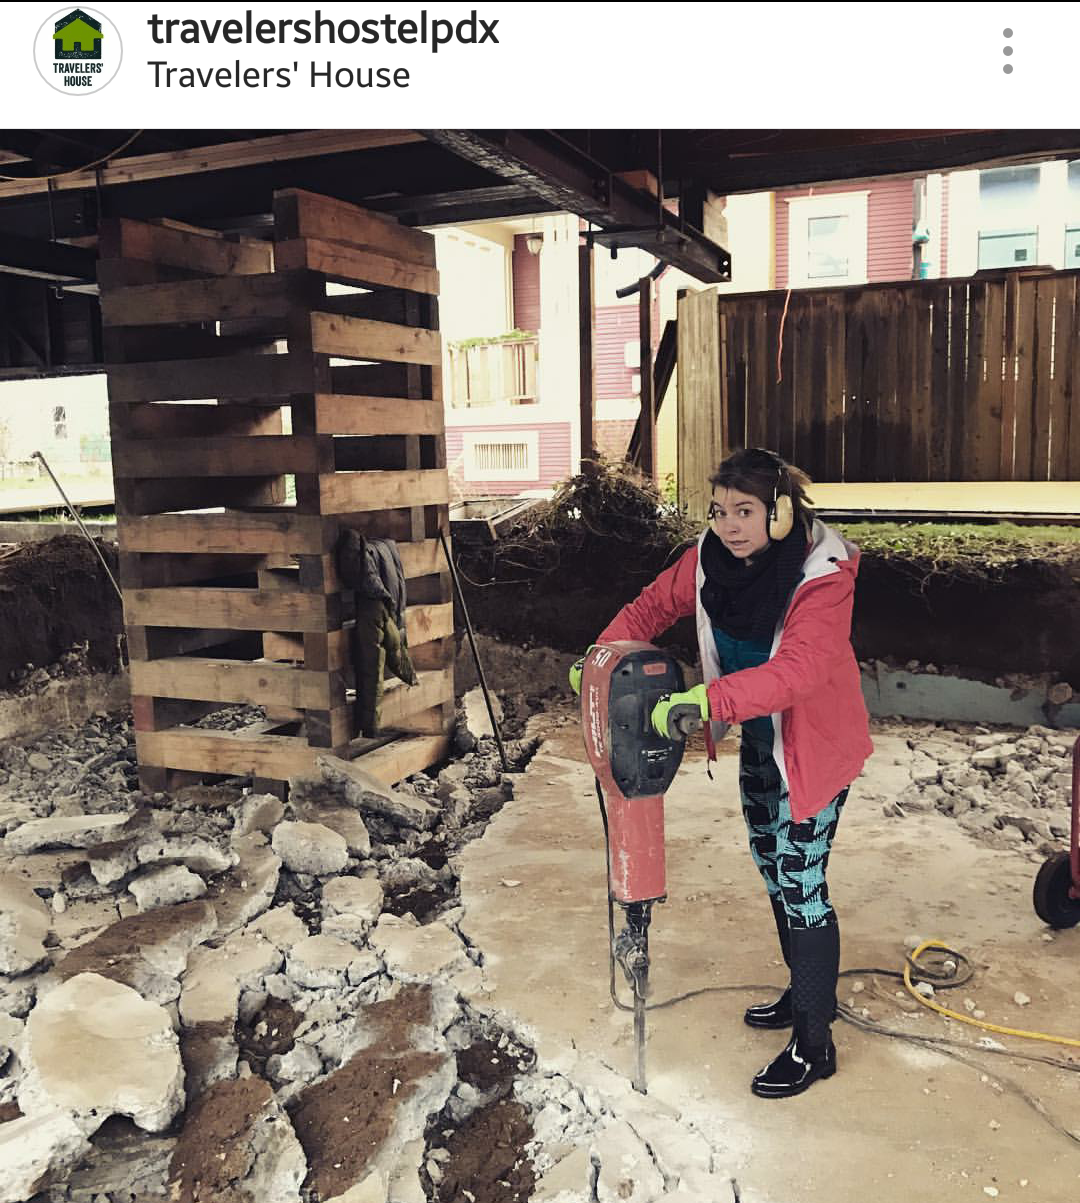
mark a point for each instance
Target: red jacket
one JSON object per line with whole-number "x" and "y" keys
{"x": 810, "y": 685}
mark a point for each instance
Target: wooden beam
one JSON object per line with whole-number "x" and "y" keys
{"x": 196, "y": 420}
{"x": 175, "y": 245}
{"x": 225, "y": 534}
{"x": 351, "y": 265}
{"x": 231, "y": 455}
{"x": 645, "y": 374}
{"x": 664, "y": 366}
{"x": 421, "y": 558}
{"x": 229, "y": 609}
{"x": 400, "y": 701}
{"x": 343, "y": 414}
{"x": 586, "y": 329}
{"x": 221, "y": 298}
{"x": 244, "y": 376}
{"x": 359, "y": 338}
{"x": 357, "y": 492}
{"x": 395, "y": 761}
{"x": 300, "y": 214}
{"x": 425, "y": 623}
{"x": 221, "y": 157}
{"x": 257, "y": 683}
{"x": 277, "y": 757}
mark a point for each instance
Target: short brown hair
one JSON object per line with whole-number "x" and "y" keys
{"x": 755, "y": 471}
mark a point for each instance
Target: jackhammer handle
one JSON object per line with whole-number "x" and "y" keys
{"x": 683, "y": 721}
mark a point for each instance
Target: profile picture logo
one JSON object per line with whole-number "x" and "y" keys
{"x": 78, "y": 51}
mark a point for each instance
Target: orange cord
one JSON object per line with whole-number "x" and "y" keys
{"x": 787, "y": 302}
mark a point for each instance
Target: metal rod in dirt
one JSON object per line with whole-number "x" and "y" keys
{"x": 476, "y": 654}
{"x": 74, "y": 513}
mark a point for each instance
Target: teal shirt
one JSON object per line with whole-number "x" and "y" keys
{"x": 736, "y": 654}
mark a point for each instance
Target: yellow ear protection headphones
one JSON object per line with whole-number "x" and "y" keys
{"x": 781, "y": 513}
{"x": 781, "y": 516}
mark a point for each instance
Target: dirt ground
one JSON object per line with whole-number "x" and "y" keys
{"x": 898, "y": 1121}
{"x": 53, "y": 596}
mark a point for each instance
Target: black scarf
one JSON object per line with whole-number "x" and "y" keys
{"x": 746, "y": 600}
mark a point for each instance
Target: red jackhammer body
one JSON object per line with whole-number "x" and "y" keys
{"x": 621, "y": 683}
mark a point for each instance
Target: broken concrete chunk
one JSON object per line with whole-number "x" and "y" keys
{"x": 415, "y": 954}
{"x": 237, "y": 1144}
{"x": 210, "y": 994}
{"x": 627, "y": 1171}
{"x": 361, "y": 897}
{"x": 199, "y": 855}
{"x": 257, "y": 812}
{"x": 371, "y": 1190}
{"x": 36, "y": 1150}
{"x": 301, "y": 1064}
{"x": 113, "y": 861}
{"x": 321, "y": 961}
{"x": 216, "y": 977}
{"x": 166, "y": 885}
{"x": 78, "y": 831}
{"x": 474, "y": 714}
{"x": 282, "y": 926}
{"x": 147, "y": 952}
{"x": 310, "y": 848}
{"x": 345, "y": 821}
{"x": 94, "y": 1048}
{"x": 24, "y": 924}
{"x": 124, "y": 1164}
{"x": 250, "y": 886}
{"x": 11, "y": 1036}
{"x": 360, "y": 789}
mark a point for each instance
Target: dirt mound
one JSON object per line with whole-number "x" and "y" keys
{"x": 54, "y": 595}
{"x": 560, "y": 575}
{"x": 1024, "y": 616}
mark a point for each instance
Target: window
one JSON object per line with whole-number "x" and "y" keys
{"x": 828, "y": 239}
{"x": 1072, "y": 247}
{"x": 59, "y": 418}
{"x": 502, "y": 455}
{"x": 1008, "y": 207}
{"x": 1007, "y": 248}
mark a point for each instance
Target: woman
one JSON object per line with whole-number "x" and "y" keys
{"x": 772, "y": 589}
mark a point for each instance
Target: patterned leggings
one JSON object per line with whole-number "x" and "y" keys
{"x": 792, "y": 856}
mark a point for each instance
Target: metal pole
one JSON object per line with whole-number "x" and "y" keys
{"x": 476, "y": 654}
{"x": 86, "y": 533}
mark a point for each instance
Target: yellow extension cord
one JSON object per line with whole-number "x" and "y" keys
{"x": 977, "y": 1023}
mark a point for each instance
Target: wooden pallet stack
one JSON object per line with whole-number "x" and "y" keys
{"x": 263, "y": 396}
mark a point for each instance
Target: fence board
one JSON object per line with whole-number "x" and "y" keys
{"x": 984, "y": 458}
{"x": 1042, "y": 382}
{"x": 922, "y": 380}
{"x": 1060, "y": 387}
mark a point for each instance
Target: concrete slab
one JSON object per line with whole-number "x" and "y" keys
{"x": 894, "y": 1114}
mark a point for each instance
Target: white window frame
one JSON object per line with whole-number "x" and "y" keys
{"x": 473, "y": 472}
{"x": 852, "y": 205}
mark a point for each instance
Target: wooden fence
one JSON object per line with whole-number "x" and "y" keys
{"x": 936, "y": 380}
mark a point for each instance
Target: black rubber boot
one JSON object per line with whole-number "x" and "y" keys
{"x": 775, "y": 1014}
{"x": 810, "y": 1054}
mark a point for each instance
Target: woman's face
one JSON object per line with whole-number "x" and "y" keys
{"x": 739, "y": 519}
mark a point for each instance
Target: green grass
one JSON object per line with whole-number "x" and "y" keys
{"x": 970, "y": 548}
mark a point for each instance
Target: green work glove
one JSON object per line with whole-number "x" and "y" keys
{"x": 576, "y": 669}
{"x": 678, "y": 714}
